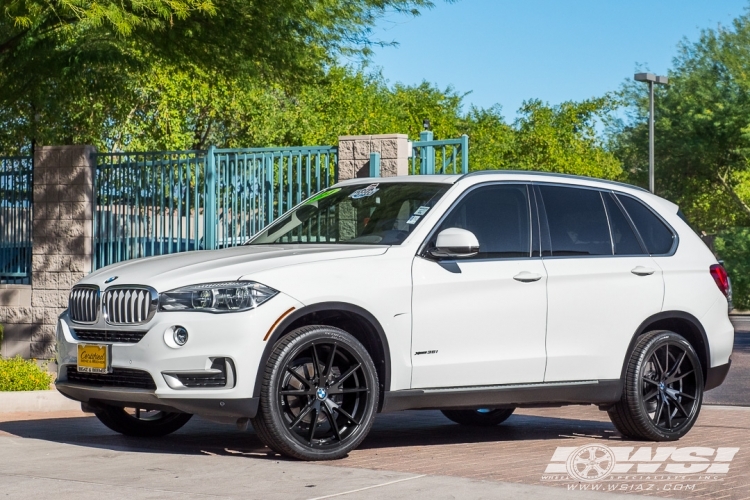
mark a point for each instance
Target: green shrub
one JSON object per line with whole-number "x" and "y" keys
{"x": 18, "y": 374}
{"x": 733, "y": 247}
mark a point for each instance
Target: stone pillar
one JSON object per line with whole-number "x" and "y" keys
{"x": 62, "y": 249}
{"x": 354, "y": 155}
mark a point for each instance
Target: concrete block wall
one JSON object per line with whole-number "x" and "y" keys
{"x": 62, "y": 250}
{"x": 354, "y": 155}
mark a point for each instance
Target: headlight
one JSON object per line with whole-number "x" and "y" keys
{"x": 230, "y": 296}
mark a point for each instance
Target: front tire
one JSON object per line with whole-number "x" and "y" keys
{"x": 479, "y": 417}
{"x": 141, "y": 423}
{"x": 663, "y": 389}
{"x": 319, "y": 395}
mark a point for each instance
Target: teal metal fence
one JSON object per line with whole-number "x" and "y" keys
{"x": 165, "y": 202}
{"x": 148, "y": 204}
{"x": 254, "y": 186}
{"x": 444, "y": 156}
{"x": 16, "y": 217}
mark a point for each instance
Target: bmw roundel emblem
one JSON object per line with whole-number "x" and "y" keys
{"x": 111, "y": 279}
{"x": 321, "y": 393}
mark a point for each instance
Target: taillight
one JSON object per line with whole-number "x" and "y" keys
{"x": 720, "y": 277}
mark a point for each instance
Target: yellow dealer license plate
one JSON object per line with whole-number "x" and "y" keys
{"x": 93, "y": 358}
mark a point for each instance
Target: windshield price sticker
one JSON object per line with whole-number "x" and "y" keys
{"x": 364, "y": 192}
{"x": 421, "y": 210}
{"x": 413, "y": 219}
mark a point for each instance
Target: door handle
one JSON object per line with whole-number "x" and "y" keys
{"x": 642, "y": 271}
{"x": 527, "y": 277}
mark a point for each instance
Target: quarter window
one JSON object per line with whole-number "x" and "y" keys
{"x": 655, "y": 234}
{"x": 498, "y": 216}
{"x": 577, "y": 221}
{"x": 623, "y": 236}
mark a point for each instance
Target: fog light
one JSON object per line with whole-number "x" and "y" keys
{"x": 180, "y": 335}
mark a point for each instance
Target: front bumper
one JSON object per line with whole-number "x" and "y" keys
{"x": 234, "y": 338}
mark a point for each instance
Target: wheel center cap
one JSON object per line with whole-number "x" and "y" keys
{"x": 321, "y": 393}
{"x": 662, "y": 386}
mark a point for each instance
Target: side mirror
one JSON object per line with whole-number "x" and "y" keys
{"x": 455, "y": 243}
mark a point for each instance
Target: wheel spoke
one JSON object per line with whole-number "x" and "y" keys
{"x": 301, "y": 415}
{"x": 347, "y": 374}
{"x": 332, "y": 421}
{"x": 666, "y": 360}
{"x": 669, "y": 413}
{"x": 313, "y": 425}
{"x": 683, "y": 395}
{"x": 316, "y": 362}
{"x": 295, "y": 392}
{"x": 677, "y": 365}
{"x": 658, "y": 364}
{"x": 680, "y": 376}
{"x": 349, "y": 417}
{"x": 659, "y": 408}
{"x": 650, "y": 395}
{"x": 299, "y": 377}
{"x": 330, "y": 362}
{"x": 651, "y": 381}
{"x": 678, "y": 405}
{"x": 347, "y": 391}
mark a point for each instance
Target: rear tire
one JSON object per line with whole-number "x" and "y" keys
{"x": 663, "y": 389}
{"x": 141, "y": 423}
{"x": 479, "y": 417}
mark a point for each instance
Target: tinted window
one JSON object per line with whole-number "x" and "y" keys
{"x": 623, "y": 236}
{"x": 577, "y": 221}
{"x": 655, "y": 234}
{"x": 499, "y": 218}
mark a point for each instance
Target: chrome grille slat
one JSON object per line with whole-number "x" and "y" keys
{"x": 129, "y": 305}
{"x": 83, "y": 304}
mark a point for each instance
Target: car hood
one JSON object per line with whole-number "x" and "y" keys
{"x": 166, "y": 272}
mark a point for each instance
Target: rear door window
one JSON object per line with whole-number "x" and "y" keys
{"x": 577, "y": 221}
{"x": 657, "y": 237}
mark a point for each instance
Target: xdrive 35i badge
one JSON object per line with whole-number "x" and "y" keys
{"x": 111, "y": 279}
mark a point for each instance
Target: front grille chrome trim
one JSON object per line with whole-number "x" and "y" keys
{"x": 84, "y": 304}
{"x": 129, "y": 304}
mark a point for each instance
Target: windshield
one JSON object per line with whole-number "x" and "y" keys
{"x": 374, "y": 214}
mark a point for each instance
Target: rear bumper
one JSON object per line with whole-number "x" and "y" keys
{"x": 146, "y": 399}
{"x": 716, "y": 375}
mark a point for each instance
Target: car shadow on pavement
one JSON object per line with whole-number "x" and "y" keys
{"x": 402, "y": 429}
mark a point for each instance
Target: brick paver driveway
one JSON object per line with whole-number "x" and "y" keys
{"x": 427, "y": 443}
{"x": 535, "y": 446}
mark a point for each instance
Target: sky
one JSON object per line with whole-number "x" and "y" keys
{"x": 506, "y": 51}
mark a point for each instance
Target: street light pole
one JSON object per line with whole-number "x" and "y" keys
{"x": 651, "y": 79}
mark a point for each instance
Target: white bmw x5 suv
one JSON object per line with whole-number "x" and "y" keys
{"x": 473, "y": 294}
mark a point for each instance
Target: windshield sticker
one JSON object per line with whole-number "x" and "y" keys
{"x": 421, "y": 210}
{"x": 324, "y": 194}
{"x": 413, "y": 219}
{"x": 364, "y": 192}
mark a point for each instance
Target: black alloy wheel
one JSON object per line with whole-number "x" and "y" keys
{"x": 138, "y": 422}
{"x": 663, "y": 389}
{"x": 481, "y": 417}
{"x": 319, "y": 395}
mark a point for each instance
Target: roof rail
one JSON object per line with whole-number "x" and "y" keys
{"x": 552, "y": 174}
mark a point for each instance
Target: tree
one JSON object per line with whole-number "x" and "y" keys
{"x": 702, "y": 129}
{"x": 70, "y": 62}
{"x": 563, "y": 139}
